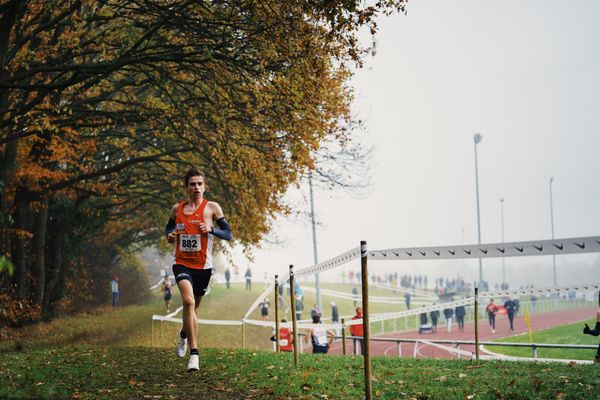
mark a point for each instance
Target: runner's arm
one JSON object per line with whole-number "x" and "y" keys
{"x": 222, "y": 230}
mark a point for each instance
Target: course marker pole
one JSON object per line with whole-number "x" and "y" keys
{"x": 161, "y": 333}
{"x": 293, "y": 306}
{"x": 476, "y": 325}
{"x": 365, "y": 305}
{"x": 277, "y": 348}
{"x": 243, "y": 334}
{"x": 343, "y": 337}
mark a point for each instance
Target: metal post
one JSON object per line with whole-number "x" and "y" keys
{"x": 277, "y": 347}
{"x": 314, "y": 232}
{"x": 343, "y": 336}
{"x": 477, "y": 139}
{"x": 476, "y": 327}
{"x": 552, "y": 227}
{"x": 534, "y": 350}
{"x": 243, "y": 334}
{"x": 367, "y": 334}
{"x": 399, "y": 349}
{"x": 293, "y": 306}
{"x": 161, "y": 333}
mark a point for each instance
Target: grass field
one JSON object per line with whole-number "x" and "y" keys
{"x": 107, "y": 355}
{"x": 566, "y": 334}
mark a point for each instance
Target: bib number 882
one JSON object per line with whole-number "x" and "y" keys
{"x": 189, "y": 243}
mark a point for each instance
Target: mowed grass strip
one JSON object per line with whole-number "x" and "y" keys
{"x": 101, "y": 372}
{"x": 565, "y": 334}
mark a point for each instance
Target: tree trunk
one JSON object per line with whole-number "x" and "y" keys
{"x": 38, "y": 267}
{"x": 60, "y": 218}
{"x": 8, "y": 160}
{"x": 23, "y": 219}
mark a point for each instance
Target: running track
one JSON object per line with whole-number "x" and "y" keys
{"x": 538, "y": 321}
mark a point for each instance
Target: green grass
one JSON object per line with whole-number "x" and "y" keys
{"x": 102, "y": 372}
{"x": 107, "y": 355}
{"x": 566, "y": 334}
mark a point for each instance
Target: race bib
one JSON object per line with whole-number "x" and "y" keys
{"x": 283, "y": 342}
{"x": 321, "y": 340}
{"x": 189, "y": 243}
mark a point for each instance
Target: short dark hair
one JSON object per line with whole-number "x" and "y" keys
{"x": 316, "y": 318}
{"x": 192, "y": 172}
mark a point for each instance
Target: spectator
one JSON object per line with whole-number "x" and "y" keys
{"x": 435, "y": 314}
{"x": 407, "y": 300}
{"x": 248, "y": 277}
{"x": 595, "y": 331}
{"x": 227, "y": 278}
{"x": 533, "y": 299}
{"x": 355, "y": 294}
{"x": 460, "y": 317}
{"x": 280, "y": 297}
{"x": 425, "y": 326}
{"x": 511, "y": 310}
{"x": 358, "y": 332}
{"x": 320, "y": 337}
{"x": 114, "y": 284}
{"x": 492, "y": 309}
{"x": 448, "y": 313}
{"x": 264, "y": 309}
{"x": 299, "y": 307}
{"x": 335, "y": 316}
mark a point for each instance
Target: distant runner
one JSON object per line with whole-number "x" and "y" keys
{"x": 595, "y": 331}
{"x": 192, "y": 227}
{"x": 167, "y": 289}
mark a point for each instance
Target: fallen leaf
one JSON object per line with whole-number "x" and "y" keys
{"x": 442, "y": 378}
{"x": 462, "y": 375}
{"x": 560, "y": 395}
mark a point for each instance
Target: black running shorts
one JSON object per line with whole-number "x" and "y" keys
{"x": 199, "y": 278}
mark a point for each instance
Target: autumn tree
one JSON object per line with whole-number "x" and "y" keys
{"x": 103, "y": 104}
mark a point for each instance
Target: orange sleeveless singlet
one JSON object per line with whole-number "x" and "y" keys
{"x": 193, "y": 249}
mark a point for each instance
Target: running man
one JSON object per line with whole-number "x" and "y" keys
{"x": 167, "y": 292}
{"x": 192, "y": 227}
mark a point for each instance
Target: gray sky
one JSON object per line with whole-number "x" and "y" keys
{"x": 524, "y": 74}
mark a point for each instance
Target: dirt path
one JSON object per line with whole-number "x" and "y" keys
{"x": 538, "y": 321}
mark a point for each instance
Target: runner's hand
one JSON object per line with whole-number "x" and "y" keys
{"x": 203, "y": 227}
{"x": 171, "y": 237}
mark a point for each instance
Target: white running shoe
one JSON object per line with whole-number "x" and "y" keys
{"x": 181, "y": 347}
{"x": 193, "y": 363}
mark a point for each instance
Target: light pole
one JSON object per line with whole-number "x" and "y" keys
{"x": 552, "y": 228}
{"x": 314, "y": 232}
{"x": 476, "y": 139}
{"x": 502, "y": 227}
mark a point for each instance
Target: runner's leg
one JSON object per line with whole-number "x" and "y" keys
{"x": 189, "y": 314}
